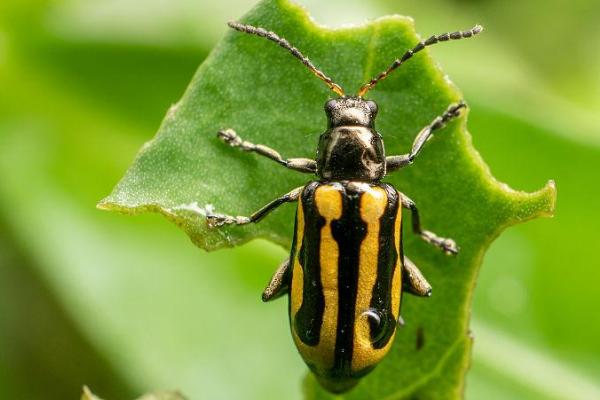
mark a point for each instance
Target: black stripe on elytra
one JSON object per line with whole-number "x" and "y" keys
{"x": 309, "y": 317}
{"x": 349, "y": 232}
{"x": 381, "y": 300}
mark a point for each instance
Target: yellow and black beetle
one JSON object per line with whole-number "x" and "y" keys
{"x": 347, "y": 269}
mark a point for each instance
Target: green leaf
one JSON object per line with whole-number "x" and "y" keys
{"x": 88, "y": 395}
{"x": 257, "y": 89}
{"x": 162, "y": 396}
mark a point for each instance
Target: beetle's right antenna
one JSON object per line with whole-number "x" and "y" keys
{"x": 432, "y": 40}
{"x": 286, "y": 45}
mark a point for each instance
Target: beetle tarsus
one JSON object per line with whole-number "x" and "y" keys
{"x": 218, "y": 220}
{"x": 448, "y": 246}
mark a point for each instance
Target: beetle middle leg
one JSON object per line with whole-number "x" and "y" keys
{"x": 394, "y": 163}
{"x": 215, "y": 220}
{"x": 279, "y": 284}
{"x": 447, "y": 245}
{"x": 230, "y": 137}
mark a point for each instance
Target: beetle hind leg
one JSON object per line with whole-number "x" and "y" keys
{"x": 413, "y": 280}
{"x": 279, "y": 284}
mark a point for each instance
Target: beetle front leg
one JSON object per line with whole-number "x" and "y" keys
{"x": 394, "y": 163}
{"x": 215, "y": 220}
{"x": 447, "y": 245}
{"x": 230, "y": 137}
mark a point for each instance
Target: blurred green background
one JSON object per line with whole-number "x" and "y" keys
{"x": 128, "y": 304}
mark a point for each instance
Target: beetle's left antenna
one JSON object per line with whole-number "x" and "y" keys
{"x": 294, "y": 51}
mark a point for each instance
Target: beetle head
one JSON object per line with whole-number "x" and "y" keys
{"x": 351, "y": 111}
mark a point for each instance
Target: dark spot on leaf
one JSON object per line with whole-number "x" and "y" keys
{"x": 420, "y": 340}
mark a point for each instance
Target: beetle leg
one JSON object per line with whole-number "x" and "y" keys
{"x": 413, "y": 280}
{"x": 400, "y": 321}
{"x": 215, "y": 220}
{"x": 279, "y": 284}
{"x": 230, "y": 137}
{"x": 447, "y": 245}
{"x": 394, "y": 163}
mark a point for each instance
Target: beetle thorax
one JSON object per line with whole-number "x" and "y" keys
{"x": 351, "y": 149}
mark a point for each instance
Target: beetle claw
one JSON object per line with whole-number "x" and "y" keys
{"x": 449, "y": 247}
{"x": 230, "y": 137}
{"x": 214, "y": 221}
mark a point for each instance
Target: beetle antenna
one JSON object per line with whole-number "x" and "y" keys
{"x": 432, "y": 40}
{"x": 272, "y": 36}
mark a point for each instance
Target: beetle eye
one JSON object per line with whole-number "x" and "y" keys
{"x": 373, "y": 106}
{"x": 330, "y": 105}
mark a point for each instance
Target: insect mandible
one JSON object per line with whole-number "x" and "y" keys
{"x": 347, "y": 269}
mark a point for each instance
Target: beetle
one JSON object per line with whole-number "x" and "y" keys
{"x": 347, "y": 269}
